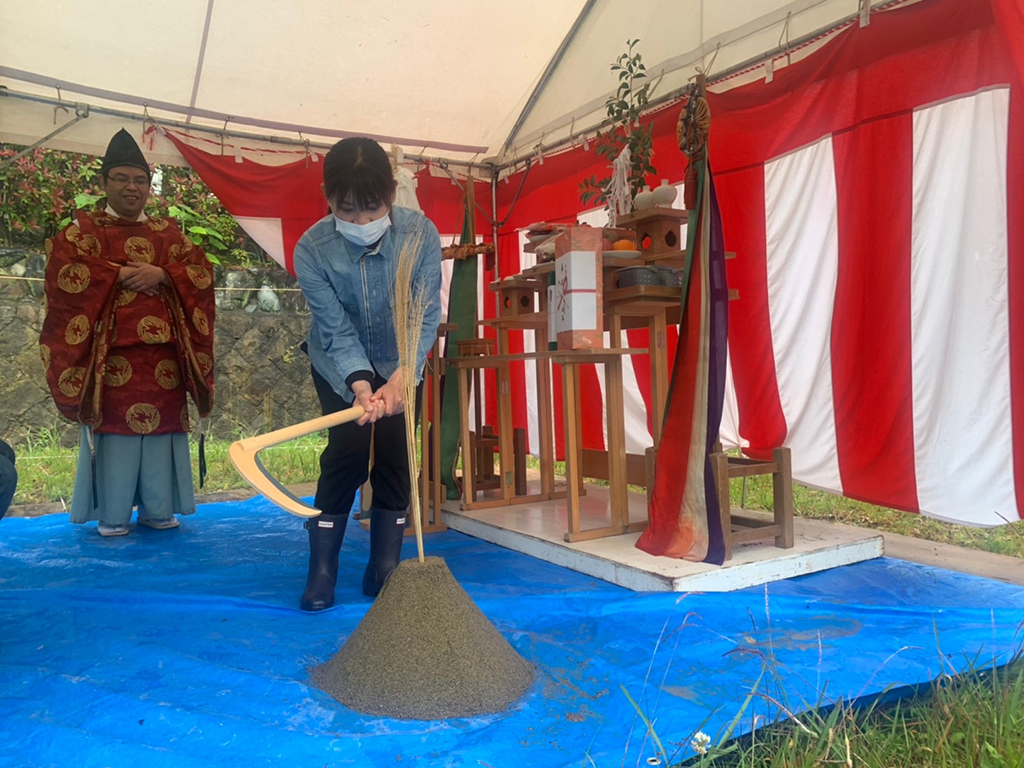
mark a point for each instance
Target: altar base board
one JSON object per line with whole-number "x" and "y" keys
{"x": 538, "y": 529}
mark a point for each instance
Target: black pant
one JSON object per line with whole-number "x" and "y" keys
{"x": 8, "y": 477}
{"x": 345, "y": 460}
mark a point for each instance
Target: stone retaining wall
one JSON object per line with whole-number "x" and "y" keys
{"x": 263, "y": 379}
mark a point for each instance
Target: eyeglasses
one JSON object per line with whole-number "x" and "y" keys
{"x": 139, "y": 181}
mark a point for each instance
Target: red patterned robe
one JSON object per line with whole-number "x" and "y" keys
{"x": 120, "y": 361}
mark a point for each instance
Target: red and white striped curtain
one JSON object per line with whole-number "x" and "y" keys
{"x": 873, "y": 195}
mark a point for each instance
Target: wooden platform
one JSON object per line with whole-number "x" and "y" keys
{"x": 538, "y": 530}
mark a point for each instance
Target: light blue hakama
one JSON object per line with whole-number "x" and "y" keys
{"x": 151, "y": 471}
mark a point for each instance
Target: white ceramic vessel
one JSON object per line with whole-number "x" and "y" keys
{"x": 665, "y": 195}
{"x": 644, "y": 199}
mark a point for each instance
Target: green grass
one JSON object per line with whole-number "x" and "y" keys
{"x": 46, "y": 470}
{"x": 808, "y": 502}
{"x": 970, "y": 719}
{"x": 46, "y": 473}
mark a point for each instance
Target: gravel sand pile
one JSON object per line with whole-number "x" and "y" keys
{"x": 424, "y": 651}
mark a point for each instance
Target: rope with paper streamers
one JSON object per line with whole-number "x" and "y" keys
{"x": 692, "y": 134}
{"x": 619, "y": 194}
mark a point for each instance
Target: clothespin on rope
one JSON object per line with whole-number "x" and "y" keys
{"x": 224, "y": 135}
{"x": 150, "y": 127}
{"x": 865, "y": 12}
{"x": 785, "y": 34}
{"x": 397, "y": 157}
{"x": 60, "y": 104}
{"x": 308, "y": 147}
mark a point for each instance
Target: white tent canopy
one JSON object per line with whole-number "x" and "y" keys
{"x": 461, "y": 79}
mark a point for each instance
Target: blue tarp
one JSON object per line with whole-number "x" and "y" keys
{"x": 187, "y": 648}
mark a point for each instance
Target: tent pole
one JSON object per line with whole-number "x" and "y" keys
{"x": 548, "y": 72}
{"x": 494, "y": 224}
{"x": 80, "y": 113}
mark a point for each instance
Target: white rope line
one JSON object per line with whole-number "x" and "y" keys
{"x": 271, "y": 449}
{"x": 216, "y": 288}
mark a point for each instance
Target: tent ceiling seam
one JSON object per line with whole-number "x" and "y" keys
{"x": 202, "y": 57}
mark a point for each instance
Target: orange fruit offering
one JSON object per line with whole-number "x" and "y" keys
{"x": 623, "y": 245}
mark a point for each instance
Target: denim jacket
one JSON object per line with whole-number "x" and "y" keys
{"x": 349, "y": 291}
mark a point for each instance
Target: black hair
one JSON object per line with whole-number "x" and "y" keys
{"x": 359, "y": 166}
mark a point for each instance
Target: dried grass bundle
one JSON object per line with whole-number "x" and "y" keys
{"x": 409, "y": 304}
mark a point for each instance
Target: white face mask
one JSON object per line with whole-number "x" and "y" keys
{"x": 363, "y": 234}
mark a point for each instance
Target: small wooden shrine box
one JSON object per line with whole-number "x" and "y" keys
{"x": 577, "y": 312}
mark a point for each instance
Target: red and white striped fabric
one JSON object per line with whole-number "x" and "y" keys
{"x": 871, "y": 193}
{"x": 888, "y": 309}
{"x": 873, "y": 331}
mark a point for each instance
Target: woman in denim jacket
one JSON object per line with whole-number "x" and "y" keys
{"x": 346, "y": 265}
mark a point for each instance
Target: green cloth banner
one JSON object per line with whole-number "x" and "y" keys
{"x": 462, "y": 301}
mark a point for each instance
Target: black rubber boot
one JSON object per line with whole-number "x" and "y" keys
{"x": 326, "y": 533}
{"x": 387, "y": 529}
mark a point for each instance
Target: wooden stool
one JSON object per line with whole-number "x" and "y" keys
{"x": 739, "y": 529}
{"x": 431, "y": 488}
{"x": 483, "y": 442}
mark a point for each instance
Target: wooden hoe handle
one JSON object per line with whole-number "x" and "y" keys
{"x": 245, "y": 456}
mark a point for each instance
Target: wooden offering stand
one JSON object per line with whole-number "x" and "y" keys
{"x": 657, "y": 232}
{"x": 523, "y": 305}
{"x": 614, "y": 459}
{"x": 483, "y": 444}
{"x": 432, "y": 493}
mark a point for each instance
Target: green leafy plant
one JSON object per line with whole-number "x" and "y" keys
{"x": 198, "y": 231}
{"x": 81, "y": 200}
{"x": 624, "y": 109}
{"x": 39, "y": 191}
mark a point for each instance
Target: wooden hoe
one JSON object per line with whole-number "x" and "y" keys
{"x": 245, "y": 456}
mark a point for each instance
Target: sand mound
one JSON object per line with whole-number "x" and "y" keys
{"x": 424, "y": 651}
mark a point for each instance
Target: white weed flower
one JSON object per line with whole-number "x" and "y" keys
{"x": 701, "y": 741}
